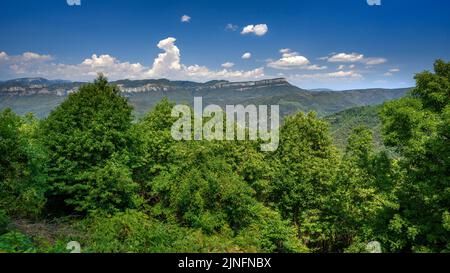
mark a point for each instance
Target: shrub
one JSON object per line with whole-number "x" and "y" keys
{"x": 16, "y": 242}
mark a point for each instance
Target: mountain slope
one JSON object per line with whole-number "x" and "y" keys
{"x": 40, "y": 96}
{"x": 343, "y": 123}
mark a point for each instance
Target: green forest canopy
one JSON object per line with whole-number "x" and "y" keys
{"x": 118, "y": 186}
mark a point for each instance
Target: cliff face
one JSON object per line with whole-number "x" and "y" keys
{"x": 250, "y": 84}
{"x": 148, "y": 86}
{"x": 37, "y": 86}
{"x": 34, "y": 86}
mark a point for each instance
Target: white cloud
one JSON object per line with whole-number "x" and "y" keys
{"x": 167, "y": 62}
{"x": 344, "y": 74}
{"x": 293, "y": 60}
{"x": 374, "y": 61}
{"x": 258, "y": 30}
{"x": 86, "y": 70}
{"x": 202, "y": 73}
{"x": 353, "y": 58}
{"x": 227, "y": 65}
{"x": 165, "y": 65}
{"x": 231, "y": 27}
{"x": 102, "y": 61}
{"x": 332, "y": 76}
{"x": 246, "y": 55}
{"x": 345, "y": 58}
{"x": 341, "y": 67}
{"x": 30, "y": 56}
{"x": 391, "y": 72}
{"x": 3, "y": 56}
{"x": 185, "y": 18}
{"x": 25, "y": 57}
{"x": 108, "y": 65}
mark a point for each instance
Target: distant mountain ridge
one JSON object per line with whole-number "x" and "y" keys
{"x": 32, "y": 86}
{"x": 37, "y": 80}
{"x": 40, "y": 96}
{"x": 320, "y": 89}
{"x": 128, "y": 86}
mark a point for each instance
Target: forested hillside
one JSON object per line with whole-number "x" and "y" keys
{"x": 41, "y": 96}
{"x": 343, "y": 123}
{"x": 88, "y": 173}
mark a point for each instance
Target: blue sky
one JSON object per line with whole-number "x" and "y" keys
{"x": 314, "y": 44}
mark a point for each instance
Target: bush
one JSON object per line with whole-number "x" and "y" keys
{"x": 109, "y": 188}
{"x": 271, "y": 234}
{"x": 136, "y": 232}
{"x": 16, "y": 242}
{"x": 200, "y": 190}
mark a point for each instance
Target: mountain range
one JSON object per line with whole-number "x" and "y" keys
{"x": 40, "y": 96}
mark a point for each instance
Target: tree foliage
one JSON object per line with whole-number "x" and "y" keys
{"x": 136, "y": 189}
{"x": 418, "y": 127}
{"x": 22, "y": 166}
{"x": 88, "y": 140}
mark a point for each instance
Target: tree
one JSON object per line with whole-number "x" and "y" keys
{"x": 418, "y": 128}
{"x": 22, "y": 166}
{"x": 361, "y": 193}
{"x": 200, "y": 189}
{"x": 154, "y": 145}
{"x": 88, "y": 140}
{"x": 301, "y": 187}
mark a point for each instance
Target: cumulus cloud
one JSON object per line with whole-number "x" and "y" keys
{"x": 345, "y": 58}
{"x": 23, "y": 63}
{"x": 3, "y": 56}
{"x": 166, "y": 65}
{"x": 86, "y": 70}
{"x": 328, "y": 77}
{"x": 258, "y": 30}
{"x": 31, "y": 56}
{"x": 246, "y": 55}
{"x": 201, "y": 73}
{"x": 344, "y": 74}
{"x": 106, "y": 64}
{"x": 227, "y": 65}
{"x": 168, "y": 62}
{"x": 293, "y": 60}
{"x": 354, "y": 58}
{"x": 185, "y": 18}
{"x": 25, "y": 57}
